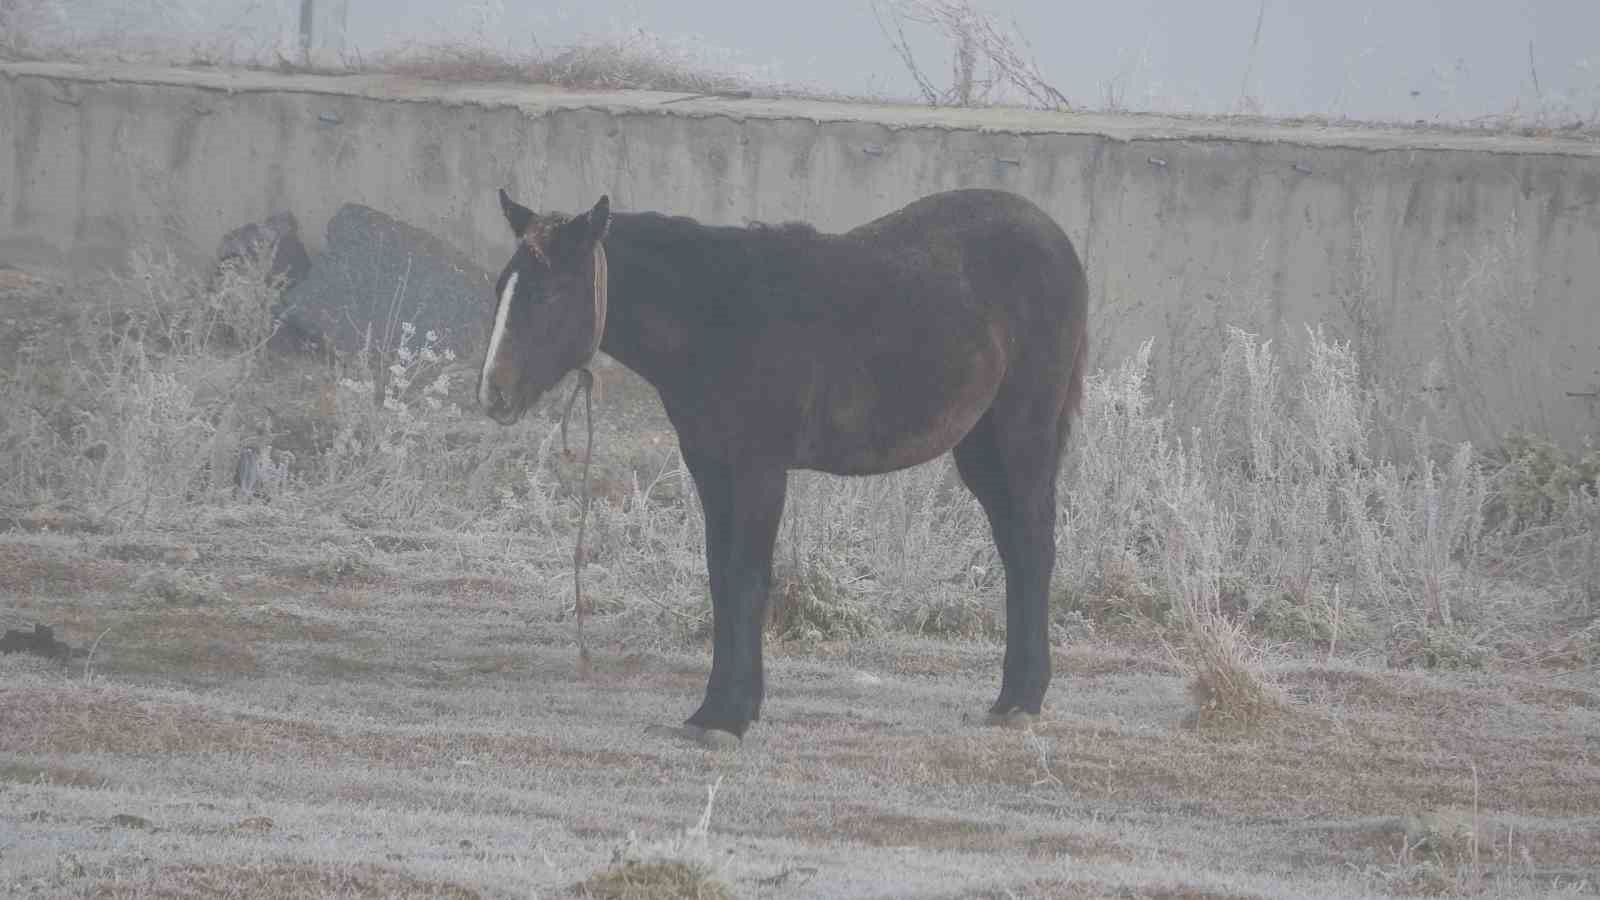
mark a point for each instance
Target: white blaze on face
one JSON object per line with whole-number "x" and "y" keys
{"x": 500, "y": 313}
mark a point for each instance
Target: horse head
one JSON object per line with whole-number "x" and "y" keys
{"x": 550, "y": 308}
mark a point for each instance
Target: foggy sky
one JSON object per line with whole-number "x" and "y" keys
{"x": 1439, "y": 60}
{"x": 1464, "y": 58}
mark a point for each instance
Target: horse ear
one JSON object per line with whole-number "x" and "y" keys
{"x": 583, "y": 231}
{"x": 517, "y": 215}
{"x": 600, "y": 219}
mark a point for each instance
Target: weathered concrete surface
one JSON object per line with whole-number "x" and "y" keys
{"x": 1466, "y": 267}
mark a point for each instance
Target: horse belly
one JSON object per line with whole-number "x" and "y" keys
{"x": 893, "y": 413}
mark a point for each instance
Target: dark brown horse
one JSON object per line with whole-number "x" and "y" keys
{"x": 958, "y": 322}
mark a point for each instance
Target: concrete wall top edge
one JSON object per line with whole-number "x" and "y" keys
{"x": 541, "y": 99}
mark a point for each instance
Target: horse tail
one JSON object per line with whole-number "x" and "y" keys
{"x": 1080, "y": 357}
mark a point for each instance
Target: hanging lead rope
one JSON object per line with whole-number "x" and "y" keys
{"x": 585, "y": 384}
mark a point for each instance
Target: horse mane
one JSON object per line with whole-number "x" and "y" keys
{"x": 654, "y": 225}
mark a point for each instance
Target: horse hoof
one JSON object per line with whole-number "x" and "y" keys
{"x": 709, "y": 738}
{"x": 717, "y": 739}
{"x": 1011, "y": 718}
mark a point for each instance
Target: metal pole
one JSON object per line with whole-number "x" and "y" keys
{"x": 322, "y": 28}
{"x": 307, "y": 13}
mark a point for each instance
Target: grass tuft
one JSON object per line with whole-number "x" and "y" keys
{"x": 662, "y": 879}
{"x": 1226, "y": 680}
{"x": 809, "y": 604}
{"x": 1448, "y": 647}
{"x": 676, "y": 867}
{"x": 954, "y": 615}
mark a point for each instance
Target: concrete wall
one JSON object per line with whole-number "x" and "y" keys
{"x": 1466, "y": 268}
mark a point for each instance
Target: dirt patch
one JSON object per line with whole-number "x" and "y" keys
{"x": 1392, "y": 691}
{"x": 881, "y": 829}
{"x": 16, "y": 280}
{"x": 1095, "y": 890}
{"x": 348, "y": 599}
{"x": 929, "y": 664}
{"x": 1554, "y": 697}
{"x": 1365, "y": 767}
{"x": 278, "y": 879}
{"x": 471, "y": 587}
{"x": 184, "y": 642}
{"x": 1094, "y": 661}
{"x": 56, "y": 522}
{"x": 28, "y": 773}
{"x": 892, "y": 830}
{"x": 89, "y": 720}
{"x": 1068, "y": 662}
{"x": 69, "y": 720}
{"x": 144, "y": 552}
{"x": 497, "y": 664}
{"x": 325, "y": 667}
{"x": 1445, "y": 836}
{"x": 24, "y": 571}
{"x": 337, "y": 569}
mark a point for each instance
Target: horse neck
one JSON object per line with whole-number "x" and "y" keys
{"x": 659, "y": 299}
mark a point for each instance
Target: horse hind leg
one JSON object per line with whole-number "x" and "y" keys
{"x": 1009, "y": 462}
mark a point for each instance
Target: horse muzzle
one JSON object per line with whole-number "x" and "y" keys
{"x": 500, "y": 406}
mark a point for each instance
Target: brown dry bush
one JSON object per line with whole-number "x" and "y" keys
{"x": 1227, "y": 682}
{"x": 654, "y": 880}
{"x": 809, "y": 604}
{"x": 637, "y": 61}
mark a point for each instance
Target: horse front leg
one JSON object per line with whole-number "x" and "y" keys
{"x": 743, "y": 507}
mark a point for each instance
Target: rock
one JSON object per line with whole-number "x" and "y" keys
{"x": 289, "y": 259}
{"x": 42, "y": 642}
{"x": 377, "y": 272}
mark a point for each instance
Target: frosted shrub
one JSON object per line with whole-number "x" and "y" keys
{"x": 142, "y": 421}
{"x": 1276, "y": 508}
{"x": 1434, "y": 521}
{"x": 912, "y": 538}
{"x": 390, "y": 456}
{"x": 1108, "y": 505}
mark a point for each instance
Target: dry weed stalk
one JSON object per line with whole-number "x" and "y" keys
{"x": 1227, "y": 679}
{"x": 1043, "y": 749}
{"x": 987, "y": 58}
{"x": 673, "y": 868}
{"x": 634, "y": 60}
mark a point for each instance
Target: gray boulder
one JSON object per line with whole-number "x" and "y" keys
{"x": 289, "y": 257}
{"x": 376, "y": 272}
